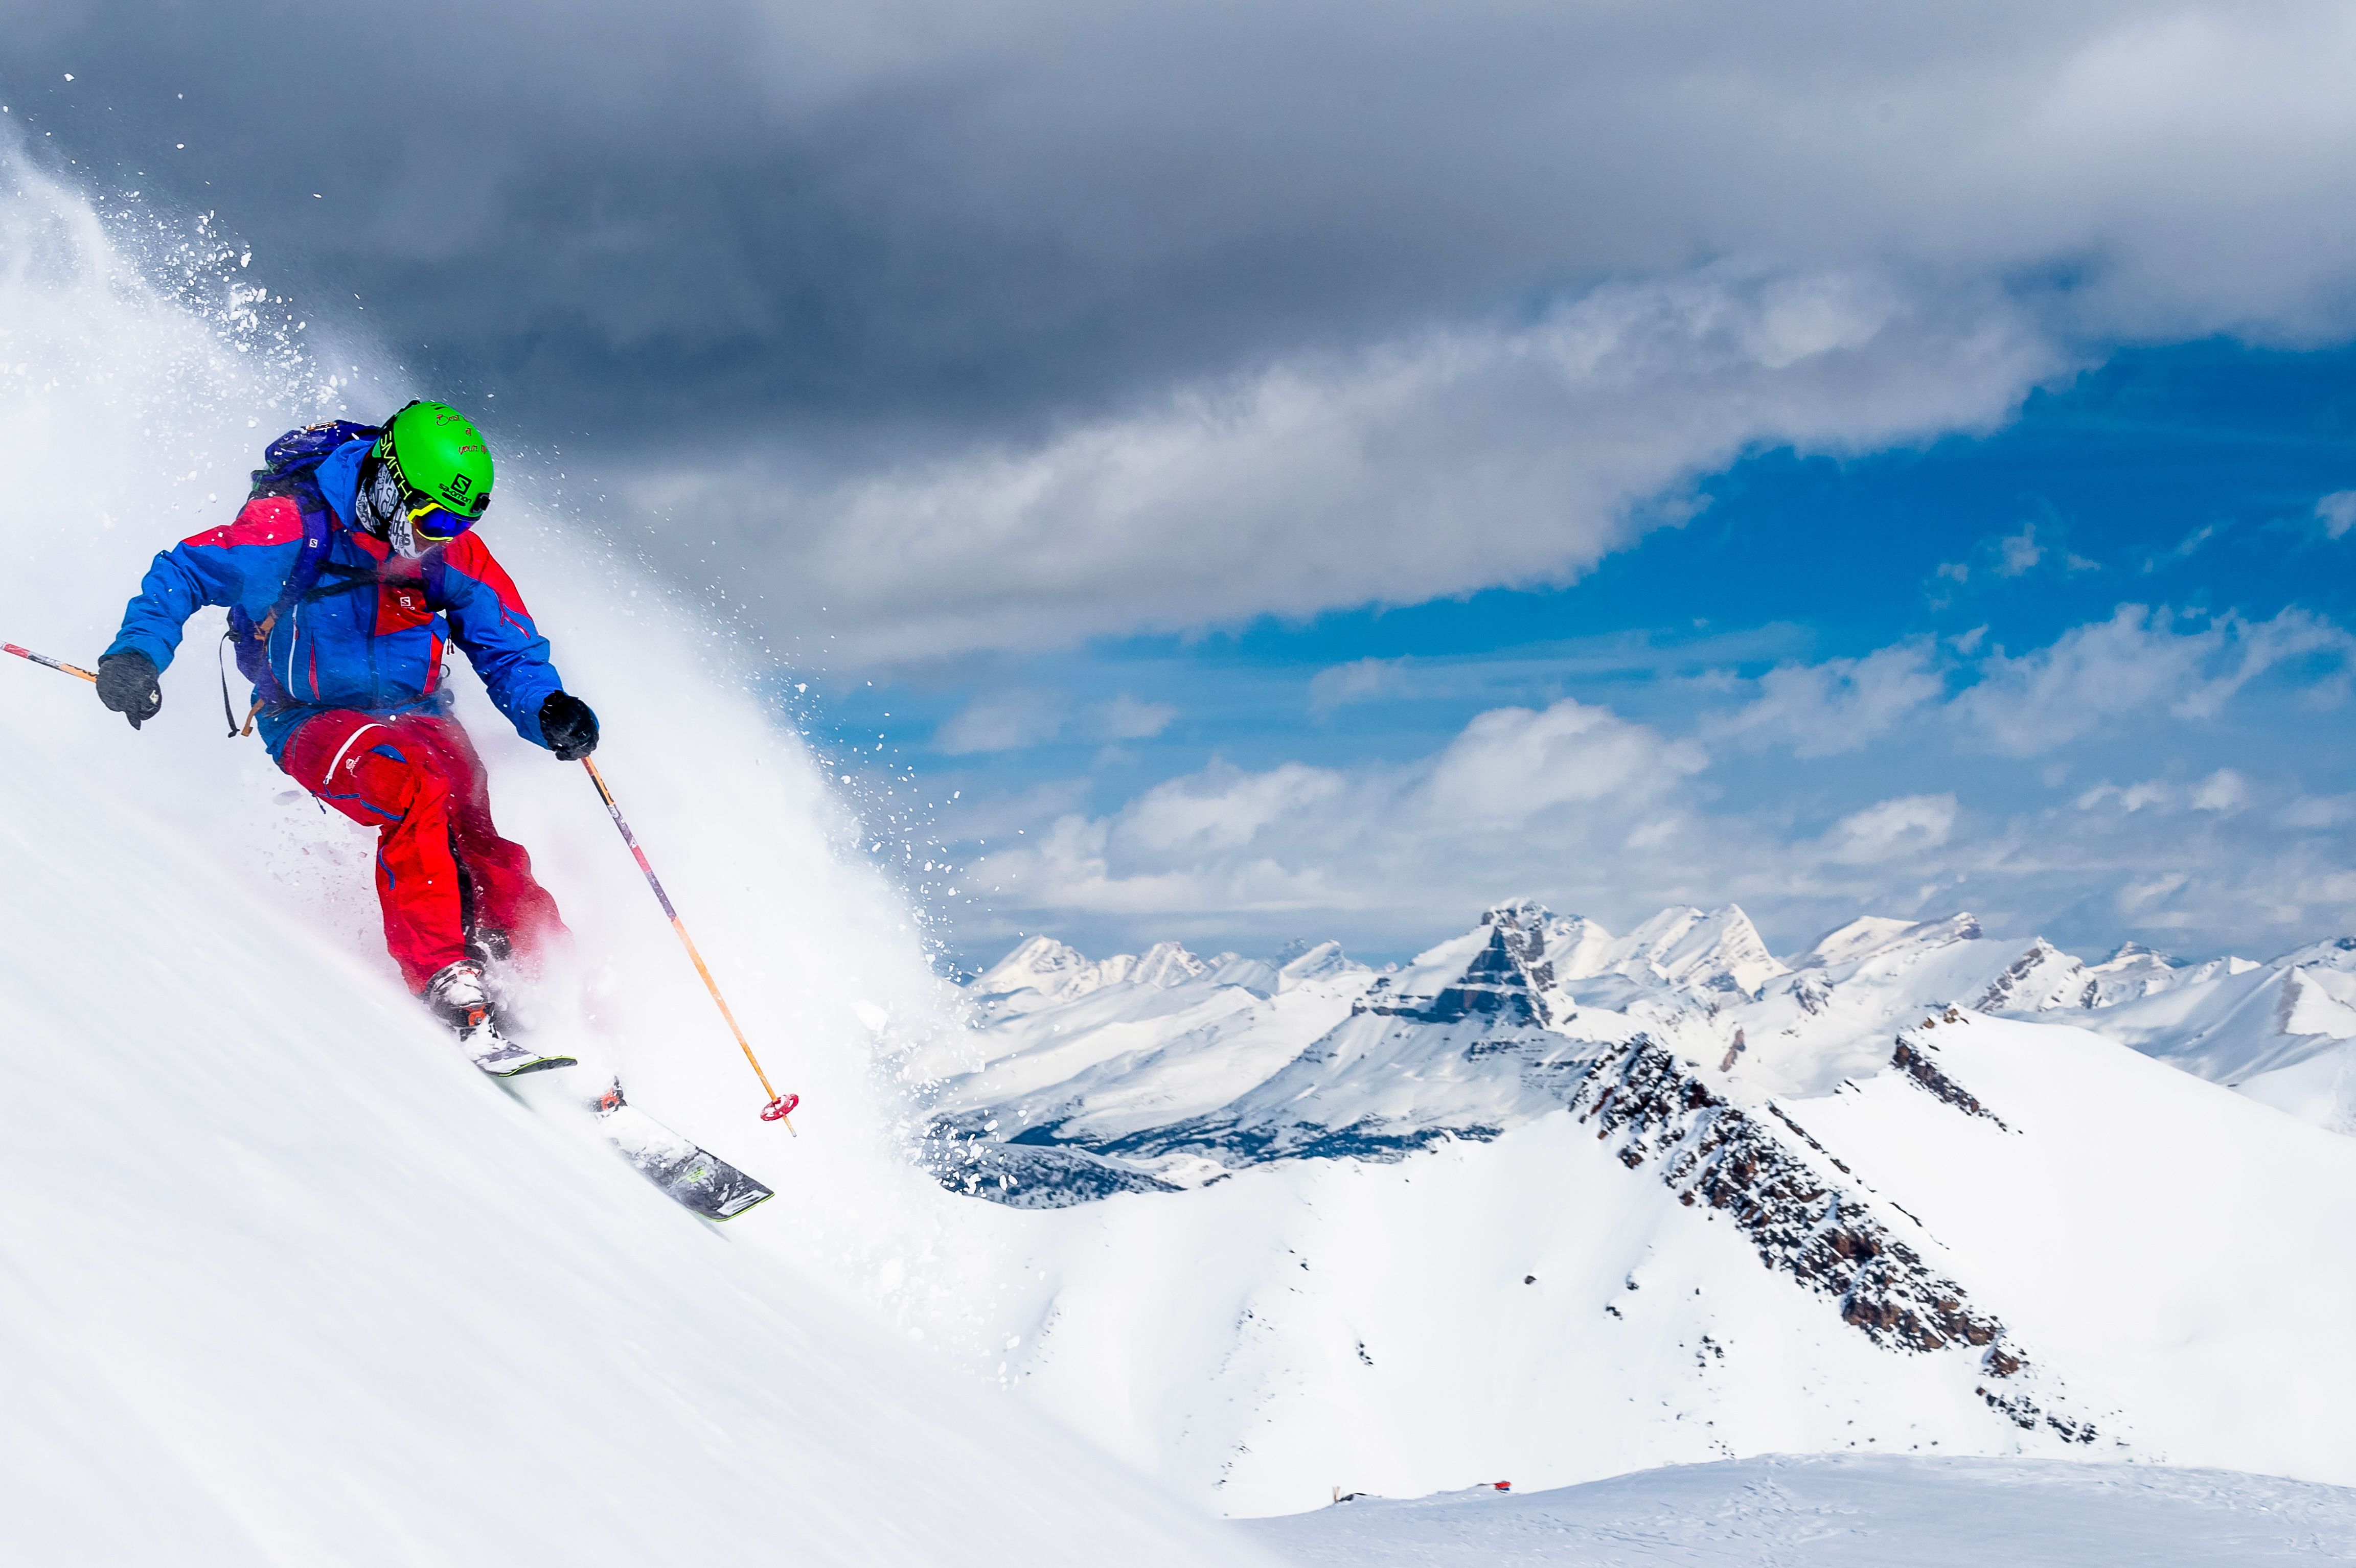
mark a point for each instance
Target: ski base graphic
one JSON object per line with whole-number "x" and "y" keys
{"x": 691, "y": 1175}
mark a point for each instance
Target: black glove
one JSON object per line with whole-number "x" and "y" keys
{"x": 126, "y": 683}
{"x": 570, "y": 729}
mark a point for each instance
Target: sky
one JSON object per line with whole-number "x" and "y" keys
{"x": 1234, "y": 474}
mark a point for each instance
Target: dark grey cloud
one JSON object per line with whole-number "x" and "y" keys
{"x": 980, "y": 214}
{"x": 844, "y": 240}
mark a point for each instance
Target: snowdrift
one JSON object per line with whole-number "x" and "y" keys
{"x": 1846, "y": 1512}
{"x": 282, "y": 1278}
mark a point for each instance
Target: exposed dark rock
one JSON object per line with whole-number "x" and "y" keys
{"x": 1915, "y": 1058}
{"x": 1223, "y": 1139}
{"x": 2003, "y": 991}
{"x": 1502, "y": 981}
{"x": 1823, "y": 1235}
{"x": 1811, "y": 991}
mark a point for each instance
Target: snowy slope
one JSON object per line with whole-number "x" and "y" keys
{"x": 1846, "y": 1513}
{"x": 281, "y": 1279}
{"x": 288, "y": 1282}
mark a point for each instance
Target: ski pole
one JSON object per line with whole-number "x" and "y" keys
{"x": 53, "y": 664}
{"x": 780, "y": 1107}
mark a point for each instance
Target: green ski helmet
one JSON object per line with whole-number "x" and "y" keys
{"x": 443, "y": 468}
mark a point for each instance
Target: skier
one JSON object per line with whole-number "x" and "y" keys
{"x": 350, "y": 565}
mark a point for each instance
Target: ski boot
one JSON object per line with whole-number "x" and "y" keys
{"x": 456, "y": 996}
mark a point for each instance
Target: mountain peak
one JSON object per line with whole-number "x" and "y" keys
{"x": 1708, "y": 950}
{"x": 1871, "y": 933}
{"x": 1037, "y": 962}
{"x": 1166, "y": 964}
{"x": 1518, "y": 914}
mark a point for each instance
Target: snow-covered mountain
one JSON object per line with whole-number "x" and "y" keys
{"x": 1892, "y": 1192}
{"x": 2283, "y": 1032}
{"x": 1140, "y": 1058}
{"x": 1844, "y": 1512}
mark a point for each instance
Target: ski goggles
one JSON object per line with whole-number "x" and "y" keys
{"x": 431, "y": 518}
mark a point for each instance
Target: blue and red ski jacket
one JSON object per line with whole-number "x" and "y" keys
{"x": 324, "y": 616}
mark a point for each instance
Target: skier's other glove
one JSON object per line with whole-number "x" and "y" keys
{"x": 126, "y": 683}
{"x": 570, "y": 729}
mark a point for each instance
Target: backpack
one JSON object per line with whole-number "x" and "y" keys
{"x": 288, "y": 464}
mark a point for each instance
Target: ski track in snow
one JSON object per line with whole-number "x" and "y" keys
{"x": 1821, "y": 1512}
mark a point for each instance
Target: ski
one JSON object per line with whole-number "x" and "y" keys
{"x": 691, "y": 1175}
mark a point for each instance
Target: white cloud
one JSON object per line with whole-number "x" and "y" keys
{"x": 2319, "y": 811}
{"x": 1889, "y": 830}
{"x": 1360, "y": 680}
{"x": 1127, "y": 718}
{"x": 2018, "y": 553}
{"x": 1003, "y": 722}
{"x": 1223, "y": 808}
{"x": 2136, "y": 662}
{"x": 2337, "y": 513}
{"x": 1592, "y": 810}
{"x": 1511, "y": 764}
{"x": 1435, "y": 464}
{"x": 2223, "y": 792}
{"x": 1840, "y": 704}
{"x": 1515, "y": 787}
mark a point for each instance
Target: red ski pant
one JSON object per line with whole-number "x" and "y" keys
{"x": 442, "y": 868}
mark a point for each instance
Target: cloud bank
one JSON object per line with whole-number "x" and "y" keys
{"x": 1593, "y": 811}
{"x": 1428, "y": 467}
{"x": 1020, "y": 325}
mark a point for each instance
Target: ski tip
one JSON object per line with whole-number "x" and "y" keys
{"x": 736, "y": 1206}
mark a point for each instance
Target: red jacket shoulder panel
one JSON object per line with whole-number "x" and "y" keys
{"x": 469, "y": 554}
{"x": 266, "y": 519}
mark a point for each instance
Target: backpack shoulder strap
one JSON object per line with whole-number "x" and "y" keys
{"x": 289, "y": 465}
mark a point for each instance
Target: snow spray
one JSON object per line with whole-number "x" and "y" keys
{"x": 780, "y": 1107}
